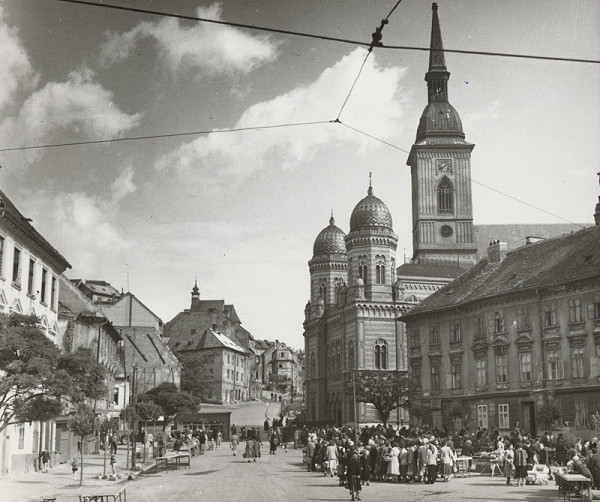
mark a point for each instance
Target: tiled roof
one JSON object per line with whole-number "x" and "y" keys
{"x": 552, "y": 262}
{"x": 514, "y": 235}
{"x": 429, "y": 270}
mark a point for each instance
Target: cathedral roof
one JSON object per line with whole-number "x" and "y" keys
{"x": 370, "y": 212}
{"x": 330, "y": 240}
{"x": 439, "y": 119}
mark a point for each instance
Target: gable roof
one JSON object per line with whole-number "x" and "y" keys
{"x": 11, "y": 214}
{"x": 210, "y": 339}
{"x": 549, "y": 263}
{"x": 145, "y": 347}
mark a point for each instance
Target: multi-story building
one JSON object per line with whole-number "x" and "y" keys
{"x": 514, "y": 333}
{"x": 29, "y": 284}
{"x": 209, "y": 338}
{"x": 81, "y": 323}
{"x": 284, "y": 370}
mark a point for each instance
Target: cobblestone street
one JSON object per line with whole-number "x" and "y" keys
{"x": 218, "y": 477}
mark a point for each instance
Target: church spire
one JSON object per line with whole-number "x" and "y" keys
{"x": 195, "y": 295}
{"x": 437, "y": 76}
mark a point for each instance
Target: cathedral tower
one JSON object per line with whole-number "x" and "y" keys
{"x": 440, "y": 162}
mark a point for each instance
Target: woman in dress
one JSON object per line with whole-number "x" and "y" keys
{"x": 250, "y": 450}
{"x": 448, "y": 458}
{"x": 393, "y": 470}
{"x": 520, "y": 464}
{"x": 219, "y": 440}
{"x": 332, "y": 459}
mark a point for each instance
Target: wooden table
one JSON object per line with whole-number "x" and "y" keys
{"x": 177, "y": 461}
{"x": 573, "y": 485}
{"x": 492, "y": 463}
{"x": 463, "y": 467}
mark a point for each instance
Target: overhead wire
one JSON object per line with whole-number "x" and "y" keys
{"x": 463, "y": 176}
{"x": 323, "y": 37}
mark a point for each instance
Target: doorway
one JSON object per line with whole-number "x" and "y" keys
{"x": 528, "y": 418}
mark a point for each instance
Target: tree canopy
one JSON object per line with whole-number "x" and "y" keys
{"x": 36, "y": 380}
{"x": 385, "y": 390}
{"x": 168, "y": 397}
{"x": 196, "y": 377}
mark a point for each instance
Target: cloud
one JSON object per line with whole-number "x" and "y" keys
{"x": 375, "y": 107}
{"x": 15, "y": 67}
{"x": 80, "y": 102}
{"x": 206, "y": 48}
{"x": 489, "y": 112}
{"x": 123, "y": 185}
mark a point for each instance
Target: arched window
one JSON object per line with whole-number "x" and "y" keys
{"x": 380, "y": 270}
{"x": 380, "y": 355}
{"x": 445, "y": 197}
{"x": 351, "y": 355}
{"x": 362, "y": 271}
{"x": 338, "y": 356}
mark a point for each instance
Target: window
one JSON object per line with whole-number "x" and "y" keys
{"x": 1, "y": 256}
{"x": 523, "y": 319}
{"x": 227, "y": 372}
{"x": 362, "y": 271}
{"x": 30, "y": 277}
{"x": 480, "y": 372}
{"x": 550, "y": 314}
{"x": 477, "y": 326}
{"x": 482, "y": 416}
{"x": 415, "y": 370}
{"x": 575, "y": 314}
{"x": 455, "y": 376}
{"x": 577, "y": 370}
{"x": 281, "y": 355}
{"x": 54, "y": 293}
{"x": 445, "y": 197}
{"x": 434, "y": 334}
{"x": 593, "y": 308}
{"x": 501, "y": 369}
{"x": 228, "y": 359}
{"x": 380, "y": 270}
{"x": 554, "y": 366}
{"x": 455, "y": 332}
{"x": 21, "y": 437}
{"x": 380, "y": 354}
{"x": 16, "y": 273}
{"x": 351, "y": 354}
{"x": 581, "y": 414}
{"x": 525, "y": 366}
{"x": 435, "y": 377}
{"x": 503, "y": 419}
{"x": 414, "y": 339}
{"x": 498, "y": 322}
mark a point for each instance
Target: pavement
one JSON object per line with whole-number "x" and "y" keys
{"x": 218, "y": 476}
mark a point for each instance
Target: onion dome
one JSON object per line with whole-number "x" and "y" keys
{"x": 330, "y": 240}
{"x": 439, "y": 119}
{"x": 370, "y": 212}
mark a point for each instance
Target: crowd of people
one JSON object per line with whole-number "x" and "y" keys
{"x": 415, "y": 456}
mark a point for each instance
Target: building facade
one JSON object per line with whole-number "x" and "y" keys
{"x": 29, "y": 284}
{"x": 351, "y": 318}
{"x": 518, "y": 331}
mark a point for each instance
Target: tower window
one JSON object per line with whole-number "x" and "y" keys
{"x": 445, "y": 197}
{"x": 380, "y": 270}
{"x": 380, "y": 355}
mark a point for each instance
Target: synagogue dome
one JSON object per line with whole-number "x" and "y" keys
{"x": 370, "y": 212}
{"x": 330, "y": 240}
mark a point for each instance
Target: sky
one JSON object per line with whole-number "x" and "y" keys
{"x": 240, "y": 211}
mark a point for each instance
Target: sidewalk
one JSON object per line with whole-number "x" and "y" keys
{"x": 59, "y": 480}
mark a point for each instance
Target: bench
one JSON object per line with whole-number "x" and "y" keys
{"x": 177, "y": 461}
{"x": 120, "y": 496}
{"x": 573, "y": 486}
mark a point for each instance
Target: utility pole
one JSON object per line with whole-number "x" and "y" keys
{"x": 355, "y": 411}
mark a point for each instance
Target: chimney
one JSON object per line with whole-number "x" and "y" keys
{"x": 496, "y": 251}
{"x": 597, "y": 213}
{"x": 530, "y": 239}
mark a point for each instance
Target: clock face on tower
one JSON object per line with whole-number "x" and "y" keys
{"x": 443, "y": 166}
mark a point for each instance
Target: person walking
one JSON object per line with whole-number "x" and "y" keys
{"x": 393, "y": 470}
{"x": 432, "y": 461}
{"x": 593, "y": 464}
{"x": 353, "y": 474}
{"x": 256, "y": 445}
{"x": 219, "y": 440}
{"x": 44, "y": 460}
{"x": 250, "y": 450}
{"x": 520, "y": 464}
{"x": 234, "y": 444}
{"x": 332, "y": 458}
{"x": 509, "y": 462}
{"x": 74, "y": 468}
{"x": 365, "y": 470}
{"x": 422, "y": 461}
{"x": 448, "y": 458}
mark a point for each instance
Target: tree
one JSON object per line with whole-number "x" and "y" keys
{"x": 170, "y": 399}
{"x": 36, "y": 379}
{"x": 385, "y": 390}
{"x": 196, "y": 377}
{"x": 148, "y": 411}
{"x": 452, "y": 412}
{"x": 548, "y": 413}
{"x": 82, "y": 424}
